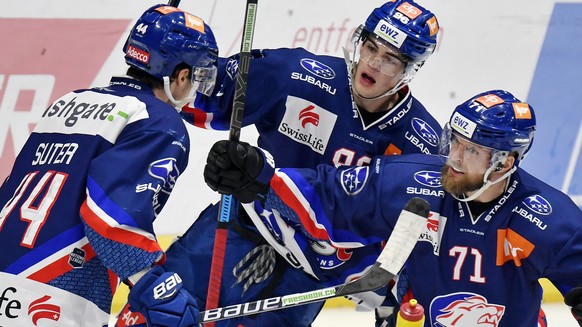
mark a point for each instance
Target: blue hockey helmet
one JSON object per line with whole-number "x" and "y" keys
{"x": 495, "y": 119}
{"x": 407, "y": 26}
{"x": 164, "y": 37}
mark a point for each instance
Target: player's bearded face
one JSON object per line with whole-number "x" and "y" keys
{"x": 460, "y": 183}
{"x": 465, "y": 167}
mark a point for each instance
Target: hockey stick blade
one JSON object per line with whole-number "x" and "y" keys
{"x": 410, "y": 224}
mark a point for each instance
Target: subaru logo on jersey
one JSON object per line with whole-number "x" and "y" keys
{"x": 464, "y": 309}
{"x": 317, "y": 68}
{"x": 425, "y": 131}
{"x": 354, "y": 179}
{"x": 428, "y": 178}
{"x": 165, "y": 170}
{"x": 538, "y": 204}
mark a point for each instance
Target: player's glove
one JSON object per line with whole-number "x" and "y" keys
{"x": 239, "y": 169}
{"x": 159, "y": 296}
{"x": 574, "y": 300}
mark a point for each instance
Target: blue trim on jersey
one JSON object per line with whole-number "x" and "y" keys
{"x": 40, "y": 253}
{"x": 107, "y": 205}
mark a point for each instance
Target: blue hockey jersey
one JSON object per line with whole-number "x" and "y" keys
{"x": 302, "y": 103}
{"x": 302, "y": 106}
{"x": 78, "y": 207}
{"x": 467, "y": 269}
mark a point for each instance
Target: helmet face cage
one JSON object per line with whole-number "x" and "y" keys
{"x": 406, "y": 26}
{"x": 164, "y": 37}
{"x": 496, "y": 120}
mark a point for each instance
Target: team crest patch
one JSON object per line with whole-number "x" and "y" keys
{"x": 538, "y": 204}
{"x": 464, "y": 309}
{"x": 354, "y": 179}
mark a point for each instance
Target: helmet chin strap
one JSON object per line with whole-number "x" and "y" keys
{"x": 486, "y": 183}
{"x": 177, "y": 104}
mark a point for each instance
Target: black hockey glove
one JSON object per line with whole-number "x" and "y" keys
{"x": 239, "y": 169}
{"x": 574, "y": 300}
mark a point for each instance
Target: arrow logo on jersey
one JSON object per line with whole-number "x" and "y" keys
{"x": 309, "y": 116}
{"x": 512, "y": 247}
{"x": 38, "y": 309}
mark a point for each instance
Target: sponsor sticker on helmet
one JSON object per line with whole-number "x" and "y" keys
{"x": 137, "y": 54}
{"x": 166, "y": 9}
{"x": 433, "y": 25}
{"x": 409, "y": 10}
{"x": 489, "y": 100}
{"x": 462, "y": 125}
{"x": 194, "y": 22}
{"x": 390, "y": 33}
{"x": 521, "y": 110}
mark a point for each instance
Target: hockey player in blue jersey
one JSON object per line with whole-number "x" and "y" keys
{"x": 310, "y": 109}
{"x": 78, "y": 206}
{"x": 493, "y": 231}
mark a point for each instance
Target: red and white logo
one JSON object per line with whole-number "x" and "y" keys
{"x": 40, "y": 309}
{"x": 470, "y": 311}
{"x": 305, "y": 122}
{"x": 309, "y": 116}
{"x": 138, "y": 54}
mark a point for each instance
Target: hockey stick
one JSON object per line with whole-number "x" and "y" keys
{"x": 174, "y": 3}
{"x": 226, "y": 201}
{"x": 409, "y": 226}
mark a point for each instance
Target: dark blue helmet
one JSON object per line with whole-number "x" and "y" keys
{"x": 497, "y": 120}
{"x": 164, "y": 37}
{"x": 407, "y": 26}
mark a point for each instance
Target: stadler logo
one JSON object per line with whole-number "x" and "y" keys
{"x": 426, "y": 132}
{"x": 138, "y": 54}
{"x": 39, "y": 309}
{"x": 318, "y": 69}
{"x": 428, "y": 178}
{"x": 538, "y": 204}
{"x": 309, "y": 116}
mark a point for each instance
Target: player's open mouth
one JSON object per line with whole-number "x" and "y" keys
{"x": 367, "y": 78}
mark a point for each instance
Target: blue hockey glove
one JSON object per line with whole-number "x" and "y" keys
{"x": 574, "y": 300}
{"x": 159, "y": 296}
{"x": 239, "y": 169}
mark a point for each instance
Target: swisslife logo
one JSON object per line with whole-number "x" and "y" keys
{"x": 53, "y": 61}
{"x": 307, "y": 123}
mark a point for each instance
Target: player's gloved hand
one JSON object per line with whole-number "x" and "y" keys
{"x": 574, "y": 300}
{"x": 159, "y": 296}
{"x": 239, "y": 169}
